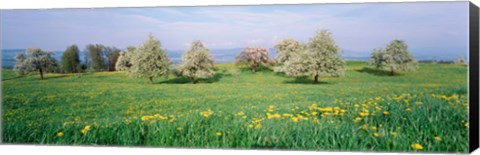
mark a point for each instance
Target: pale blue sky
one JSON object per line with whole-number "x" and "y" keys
{"x": 430, "y": 29}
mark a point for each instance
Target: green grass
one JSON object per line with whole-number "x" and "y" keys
{"x": 121, "y": 111}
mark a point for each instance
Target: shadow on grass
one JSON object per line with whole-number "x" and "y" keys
{"x": 55, "y": 77}
{"x": 305, "y": 80}
{"x": 13, "y": 78}
{"x": 36, "y": 77}
{"x": 259, "y": 69}
{"x": 377, "y": 72}
{"x": 184, "y": 80}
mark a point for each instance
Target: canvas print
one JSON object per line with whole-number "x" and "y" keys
{"x": 330, "y": 77}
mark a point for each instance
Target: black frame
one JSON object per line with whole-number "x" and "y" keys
{"x": 473, "y": 77}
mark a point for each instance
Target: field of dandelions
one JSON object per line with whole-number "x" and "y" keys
{"x": 365, "y": 110}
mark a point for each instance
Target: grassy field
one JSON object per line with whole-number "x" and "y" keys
{"x": 365, "y": 110}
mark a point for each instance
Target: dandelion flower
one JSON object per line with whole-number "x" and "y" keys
{"x": 408, "y": 109}
{"x": 250, "y": 126}
{"x": 437, "y": 138}
{"x": 60, "y": 134}
{"x": 418, "y": 103}
{"x": 258, "y": 126}
{"x": 295, "y": 119}
{"x": 376, "y": 135}
{"x": 386, "y": 113}
{"x": 417, "y": 146}
{"x": 218, "y": 134}
{"x": 394, "y": 134}
{"x": 358, "y": 119}
{"x": 179, "y": 129}
{"x": 364, "y": 127}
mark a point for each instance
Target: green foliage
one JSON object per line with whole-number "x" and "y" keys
{"x": 35, "y": 60}
{"x": 113, "y": 105}
{"x": 254, "y": 58}
{"x": 96, "y": 56}
{"x": 71, "y": 60}
{"x": 321, "y": 57}
{"x": 150, "y": 60}
{"x": 111, "y": 54}
{"x": 394, "y": 57}
{"x": 197, "y": 62}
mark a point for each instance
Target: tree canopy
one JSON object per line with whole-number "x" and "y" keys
{"x": 35, "y": 60}
{"x": 321, "y": 56}
{"x": 254, "y": 58}
{"x": 71, "y": 59}
{"x": 150, "y": 60}
{"x": 394, "y": 57}
{"x": 197, "y": 62}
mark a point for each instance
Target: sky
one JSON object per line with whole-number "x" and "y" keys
{"x": 431, "y": 29}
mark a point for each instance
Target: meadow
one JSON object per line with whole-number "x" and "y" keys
{"x": 365, "y": 110}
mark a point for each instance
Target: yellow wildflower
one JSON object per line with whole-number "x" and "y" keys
{"x": 417, "y": 146}
{"x": 179, "y": 129}
{"x": 386, "y": 113}
{"x": 394, "y": 134}
{"x": 408, "y": 109}
{"x": 295, "y": 119}
{"x": 358, "y": 119}
{"x": 258, "y": 126}
{"x": 287, "y": 115}
{"x": 418, "y": 103}
{"x": 218, "y": 134}
{"x": 364, "y": 127}
{"x": 250, "y": 126}
{"x": 437, "y": 138}
{"x": 376, "y": 135}
{"x": 60, "y": 134}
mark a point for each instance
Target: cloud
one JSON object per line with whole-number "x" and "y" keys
{"x": 355, "y": 27}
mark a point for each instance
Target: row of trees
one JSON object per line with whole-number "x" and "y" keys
{"x": 97, "y": 58}
{"x": 321, "y": 56}
{"x": 150, "y": 60}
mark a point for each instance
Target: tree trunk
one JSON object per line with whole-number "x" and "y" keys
{"x": 392, "y": 71}
{"x": 151, "y": 79}
{"x": 41, "y": 73}
{"x": 193, "y": 80}
{"x": 254, "y": 68}
{"x": 315, "y": 81}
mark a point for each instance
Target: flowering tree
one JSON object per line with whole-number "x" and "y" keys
{"x": 150, "y": 60}
{"x": 320, "y": 57}
{"x": 394, "y": 57}
{"x": 254, "y": 57}
{"x": 197, "y": 62}
{"x": 124, "y": 60}
{"x": 285, "y": 50}
{"x": 35, "y": 60}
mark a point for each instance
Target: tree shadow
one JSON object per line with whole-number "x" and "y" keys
{"x": 259, "y": 69}
{"x": 37, "y": 76}
{"x": 184, "y": 80}
{"x": 377, "y": 72}
{"x": 55, "y": 77}
{"x": 13, "y": 78}
{"x": 305, "y": 80}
